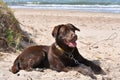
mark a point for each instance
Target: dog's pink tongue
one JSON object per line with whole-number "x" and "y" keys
{"x": 72, "y": 44}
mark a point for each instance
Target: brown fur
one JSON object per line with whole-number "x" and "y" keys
{"x": 32, "y": 57}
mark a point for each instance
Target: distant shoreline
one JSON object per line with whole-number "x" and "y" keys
{"x": 85, "y": 8}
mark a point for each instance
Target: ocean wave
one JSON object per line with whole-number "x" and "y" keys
{"x": 91, "y": 8}
{"x": 84, "y": 5}
{"x": 79, "y": 2}
{"x": 66, "y": 6}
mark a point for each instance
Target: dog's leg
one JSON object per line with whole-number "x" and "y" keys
{"x": 16, "y": 66}
{"x": 85, "y": 71}
{"x": 57, "y": 65}
{"x": 59, "y": 68}
{"x": 31, "y": 65}
{"x": 97, "y": 69}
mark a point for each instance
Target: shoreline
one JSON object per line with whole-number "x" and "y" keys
{"x": 81, "y": 8}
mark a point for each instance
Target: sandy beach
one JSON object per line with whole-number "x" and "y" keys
{"x": 98, "y": 40}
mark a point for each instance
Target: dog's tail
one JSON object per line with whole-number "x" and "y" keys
{"x": 16, "y": 66}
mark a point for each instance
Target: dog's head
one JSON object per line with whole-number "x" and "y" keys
{"x": 65, "y": 34}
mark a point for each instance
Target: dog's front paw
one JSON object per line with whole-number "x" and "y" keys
{"x": 96, "y": 69}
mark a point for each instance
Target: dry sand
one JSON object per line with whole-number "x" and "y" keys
{"x": 99, "y": 41}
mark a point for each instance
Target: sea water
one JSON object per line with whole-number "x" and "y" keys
{"x": 111, "y": 6}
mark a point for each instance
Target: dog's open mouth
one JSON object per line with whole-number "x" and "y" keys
{"x": 71, "y": 43}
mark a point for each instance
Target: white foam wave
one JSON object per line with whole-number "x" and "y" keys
{"x": 93, "y": 8}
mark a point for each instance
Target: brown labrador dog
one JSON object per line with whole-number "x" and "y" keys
{"x": 64, "y": 53}
{"x": 60, "y": 56}
{"x": 32, "y": 57}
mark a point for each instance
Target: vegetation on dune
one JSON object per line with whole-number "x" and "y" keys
{"x": 11, "y": 35}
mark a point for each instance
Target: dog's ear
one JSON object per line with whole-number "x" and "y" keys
{"x": 55, "y": 31}
{"x": 71, "y": 25}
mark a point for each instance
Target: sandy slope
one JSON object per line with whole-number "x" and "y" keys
{"x": 99, "y": 40}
